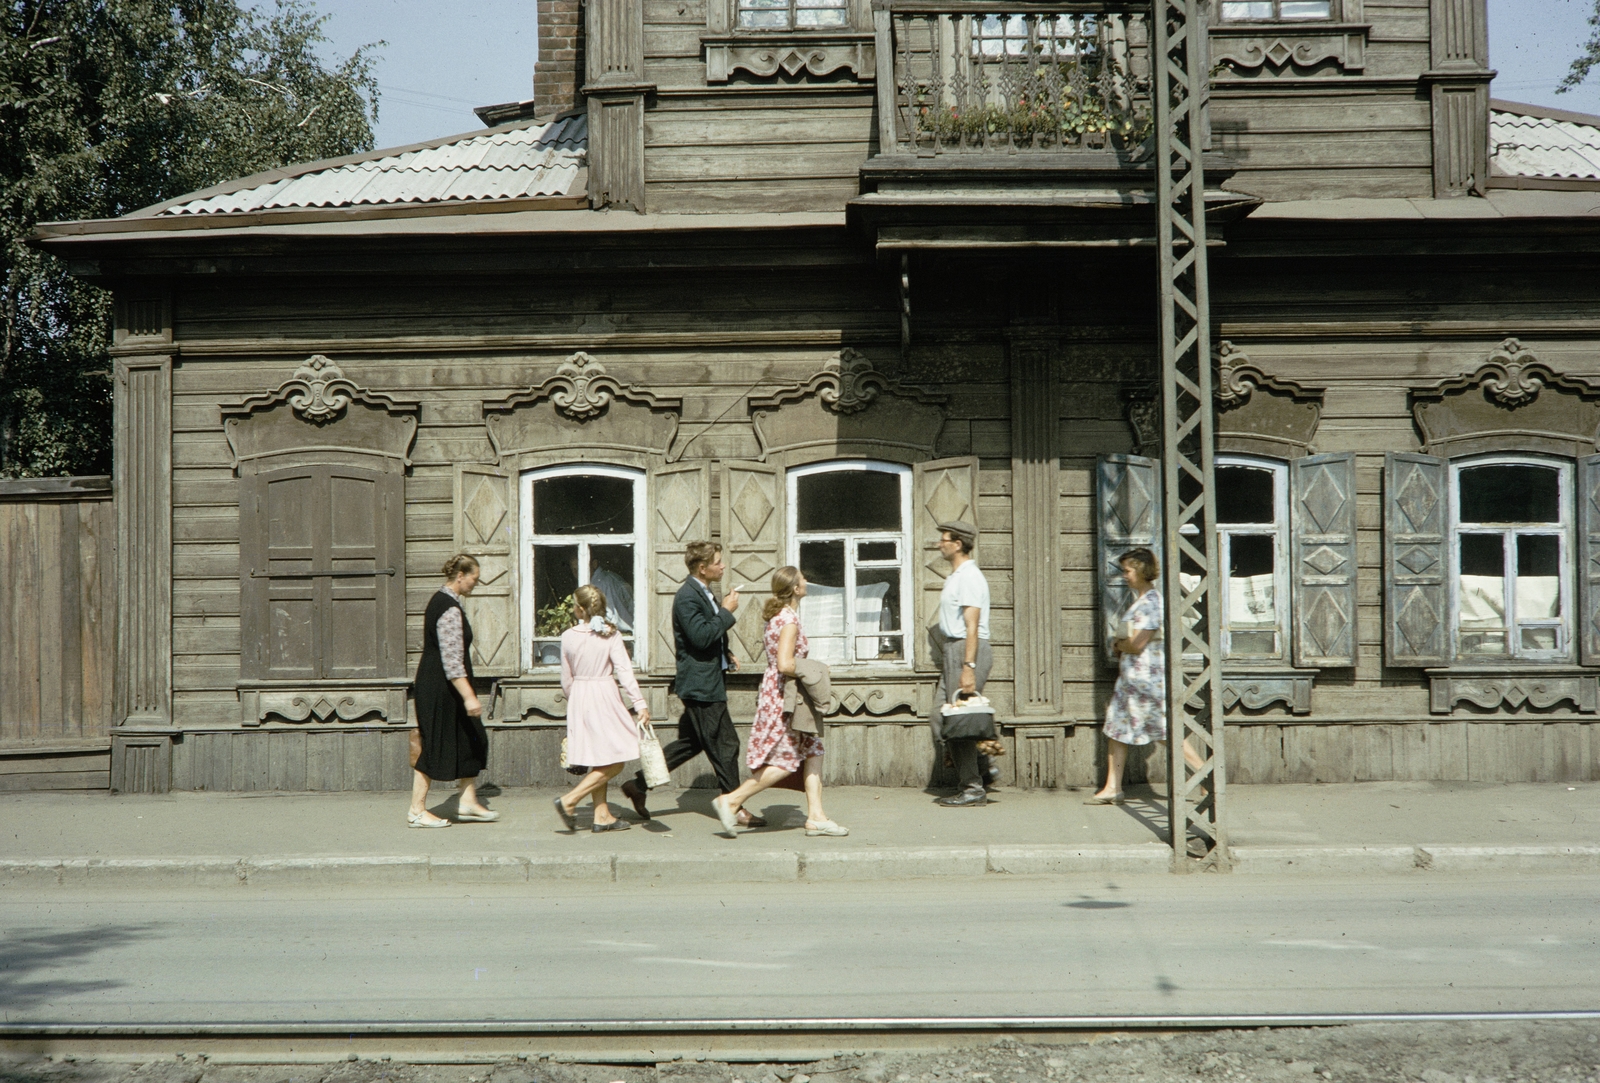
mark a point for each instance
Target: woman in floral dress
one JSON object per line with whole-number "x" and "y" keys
{"x": 776, "y": 749}
{"x": 1137, "y": 714}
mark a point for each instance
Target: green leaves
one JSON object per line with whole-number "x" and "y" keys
{"x": 1587, "y": 60}
{"x": 107, "y": 106}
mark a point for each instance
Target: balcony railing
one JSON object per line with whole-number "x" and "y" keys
{"x": 965, "y": 76}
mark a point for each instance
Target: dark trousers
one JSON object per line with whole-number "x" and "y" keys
{"x": 708, "y": 728}
{"x": 971, "y": 766}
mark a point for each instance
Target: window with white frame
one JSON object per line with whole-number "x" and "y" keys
{"x": 793, "y": 14}
{"x": 581, "y": 525}
{"x": 1512, "y": 527}
{"x": 848, "y": 535}
{"x": 1253, "y": 545}
{"x": 1261, "y": 11}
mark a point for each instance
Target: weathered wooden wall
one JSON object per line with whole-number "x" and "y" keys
{"x": 57, "y": 627}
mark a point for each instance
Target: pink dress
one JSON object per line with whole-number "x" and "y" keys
{"x": 599, "y": 729}
{"x": 771, "y": 739}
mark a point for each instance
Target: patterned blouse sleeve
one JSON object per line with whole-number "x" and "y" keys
{"x": 452, "y": 643}
{"x": 1146, "y": 612}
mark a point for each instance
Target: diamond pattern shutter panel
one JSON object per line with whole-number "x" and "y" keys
{"x": 752, "y": 540}
{"x": 1588, "y": 623}
{"x": 486, "y": 528}
{"x": 1415, "y": 561}
{"x": 680, "y": 512}
{"x": 945, "y": 490}
{"x": 1127, "y": 514}
{"x": 1322, "y": 559}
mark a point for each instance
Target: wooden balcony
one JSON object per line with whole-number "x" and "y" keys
{"x": 957, "y": 77}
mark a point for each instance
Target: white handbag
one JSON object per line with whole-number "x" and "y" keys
{"x": 651, "y": 758}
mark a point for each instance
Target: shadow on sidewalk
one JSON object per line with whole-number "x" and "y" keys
{"x": 29, "y": 954}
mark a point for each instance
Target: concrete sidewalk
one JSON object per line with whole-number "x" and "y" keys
{"x": 262, "y": 839}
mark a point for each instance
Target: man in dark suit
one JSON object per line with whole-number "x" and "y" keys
{"x": 700, "y": 632}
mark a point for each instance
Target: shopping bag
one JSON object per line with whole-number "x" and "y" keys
{"x": 651, "y": 758}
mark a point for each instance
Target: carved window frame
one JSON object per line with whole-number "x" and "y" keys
{"x": 799, "y": 52}
{"x": 527, "y": 540}
{"x": 902, "y": 538}
{"x": 1279, "y": 531}
{"x": 1565, "y": 530}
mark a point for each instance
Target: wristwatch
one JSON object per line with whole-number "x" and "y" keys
{"x": 970, "y": 665}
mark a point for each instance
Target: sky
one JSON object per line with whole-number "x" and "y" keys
{"x": 443, "y": 58}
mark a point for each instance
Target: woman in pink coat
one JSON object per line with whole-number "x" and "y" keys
{"x": 600, "y": 734}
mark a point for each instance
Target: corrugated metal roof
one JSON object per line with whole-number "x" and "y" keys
{"x": 513, "y": 162}
{"x": 1544, "y": 143}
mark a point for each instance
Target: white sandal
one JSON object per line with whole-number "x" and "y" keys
{"x": 827, "y": 827}
{"x": 414, "y": 820}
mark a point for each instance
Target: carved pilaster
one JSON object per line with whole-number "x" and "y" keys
{"x": 616, "y": 91}
{"x": 1035, "y": 489}
{"x": 1459, "y": 81}
{"x": 142, "y": 458}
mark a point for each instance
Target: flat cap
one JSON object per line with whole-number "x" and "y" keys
{"x": 961, "y": 530}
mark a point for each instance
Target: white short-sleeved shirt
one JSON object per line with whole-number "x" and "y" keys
{"x": 964, "y": 587}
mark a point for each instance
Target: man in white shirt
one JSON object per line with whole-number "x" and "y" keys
{"x": 961, "y": 646}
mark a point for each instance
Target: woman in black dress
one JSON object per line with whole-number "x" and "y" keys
{"x": 452, "y": 741}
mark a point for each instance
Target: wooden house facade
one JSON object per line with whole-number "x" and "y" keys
{"x": 807, "y": 279}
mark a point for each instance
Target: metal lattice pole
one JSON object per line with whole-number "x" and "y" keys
{"x": 1193, "y": 635}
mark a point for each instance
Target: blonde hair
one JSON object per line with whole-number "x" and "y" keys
{"x": 592, "y": 601}
{"x": 458, "y": 565}
{"x": 783, "y": 584}
{"x": 1144, "y": 562}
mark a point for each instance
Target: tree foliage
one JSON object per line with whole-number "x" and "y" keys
{"x": 1587, "y": 59}
{"x": 107, "y": 106}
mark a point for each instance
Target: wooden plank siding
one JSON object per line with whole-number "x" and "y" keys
{"x": 57, "y": 635}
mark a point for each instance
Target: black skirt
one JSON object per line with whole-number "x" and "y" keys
{"x": 454, "y": 744}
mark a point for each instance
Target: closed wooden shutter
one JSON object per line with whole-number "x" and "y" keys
{"x": 486, "y": 528}
{"x": 1415, "y": 560}
{"x": 945, "y": 490}
{"x": 322, "y": 596}
{"x": 1128, "y": 515}
{"x": 752, "y": 540}
{"x": 1322, "y": 559}
{"x": 1588, "y": 622}
{"x": 680, "y": 512}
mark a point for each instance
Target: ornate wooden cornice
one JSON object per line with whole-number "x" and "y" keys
{"x": 319, "y": 394}
{"x": 1513, "y": 401}
{"x": 582, "y": 389}
{"x": 583, "y": 411}
{"x": 847, "y": 383}
{"x": 1512, "y": 377}
{"x": 1238, "y": 377}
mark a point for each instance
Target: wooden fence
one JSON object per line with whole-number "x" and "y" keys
{"x": 57, "y": 633}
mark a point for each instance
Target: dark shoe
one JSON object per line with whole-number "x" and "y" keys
{"x": 965, "y": 799}
{"x": 614, "y": 825}
{"x": 750, "y": 819}
{"x": 636, "y": 793}
{"x": 567, "y": 818}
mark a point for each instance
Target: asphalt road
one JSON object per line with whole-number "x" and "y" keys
{"x": 999, "y": 945}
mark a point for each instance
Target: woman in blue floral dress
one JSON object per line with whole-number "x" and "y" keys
{"x": 1137, "y": 714}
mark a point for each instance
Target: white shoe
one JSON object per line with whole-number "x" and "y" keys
{"x": 827, "y": 827}
{"x": 413, "y": 820}
{"x": 729, "y": 818}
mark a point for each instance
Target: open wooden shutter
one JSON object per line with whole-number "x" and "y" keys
{"x": 1415, "y": 560}
{"x": 278, "y": 532}
{"x": 1587, "y": 626}
{"x": 680, "y": 512}
{"x": 1127, "y": 514}
{"x": 1322, "y": 559}
{"x": 945, "y": 490}
{"x": 486, "y": 528}
{"x": 752, "y": 545}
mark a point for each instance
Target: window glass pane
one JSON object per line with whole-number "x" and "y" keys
{"x": 877, "y": 550}
{"x": 583, "y": 504}
{"x": 1538, "y": 587}
{"x": 1540, "y": 639}
{"x": 611, "y": 571}
{"x": 822, "y": 609}
{"x": 809, "y": 17}
{"x": 877, "y": 612}
{"x": 1482, "y": 594}
{"x": 1252, "y": 608}
{"x": 765, "y": 20}
{"x": 555, "y": 577}
{"x": 848, "y": 500}
{"x": 1510, "y": 493}
{"x": 1244, "y": 495}
{"x": 1305, "y": 9}
{"x": 1247, "y": 9}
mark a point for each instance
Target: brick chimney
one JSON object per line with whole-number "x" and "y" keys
{"x": 558, "y": 73}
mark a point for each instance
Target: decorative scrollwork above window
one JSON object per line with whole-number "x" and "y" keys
{"x": 588, "y": 407}
{"x": 851, "y": 403}
{"x": 1513, "y": 401}
{"x": 814, "y": 54}
{"x": 1246, "y": 48}
{"x": 1262, "y": 413}
{"x": 326, "y": 411}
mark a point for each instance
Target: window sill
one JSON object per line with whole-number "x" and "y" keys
{"x": 1258, "y": 686}
{"x": 348, "y": 700}
{"x": 765, "y": 53}
{"x": 1511, "y": 686}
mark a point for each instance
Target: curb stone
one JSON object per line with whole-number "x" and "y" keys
{"x": 774, "y": 866}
